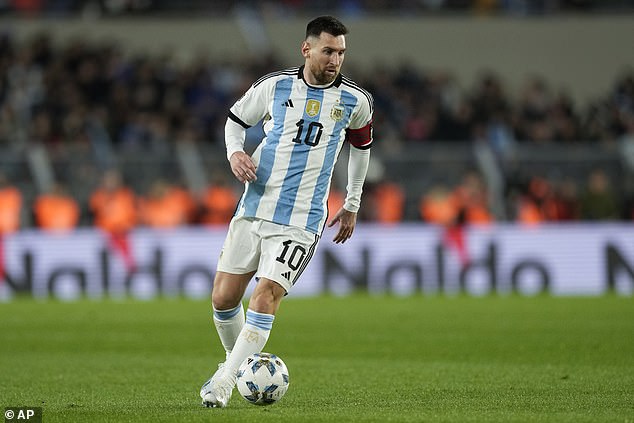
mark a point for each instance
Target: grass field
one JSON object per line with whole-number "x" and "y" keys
{"x": 353, "y": 359}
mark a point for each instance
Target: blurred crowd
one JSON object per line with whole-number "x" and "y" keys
{"x": 416, "y": 106}
{"x": 55, "y": 95}
{"x": 81, "y": 93}
{"x": 534, "y": 201}
{"x": 116, "y": 208}
{"x": 281, "y": 8}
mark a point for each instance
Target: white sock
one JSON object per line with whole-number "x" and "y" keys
{"x": 252, "y": 339}
{"x": 228, "y": 324}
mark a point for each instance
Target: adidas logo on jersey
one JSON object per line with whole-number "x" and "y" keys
{"x": 287, "y": 275}
{"x": 288, "y": 103}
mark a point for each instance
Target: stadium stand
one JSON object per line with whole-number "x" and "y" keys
{"x": 72, "y": 110}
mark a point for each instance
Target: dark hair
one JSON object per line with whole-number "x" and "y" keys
{"x": 327, "y": 24}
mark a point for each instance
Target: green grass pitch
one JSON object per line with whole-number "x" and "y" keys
{"x": 354, "y": 359}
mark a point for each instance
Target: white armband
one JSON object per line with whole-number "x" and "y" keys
{"x": 357, "y": 169}
{"x": 235, "y": 135}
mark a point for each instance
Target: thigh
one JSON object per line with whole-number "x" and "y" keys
{"x": 286, "y": 251}
{"x": 241, "y": 250}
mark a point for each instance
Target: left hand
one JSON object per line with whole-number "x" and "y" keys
{"x": 347, "y": 221}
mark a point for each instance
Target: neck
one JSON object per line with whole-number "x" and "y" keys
{"x": 309, "y": 77}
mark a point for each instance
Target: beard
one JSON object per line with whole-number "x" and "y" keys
{"x": 321, "y": 76}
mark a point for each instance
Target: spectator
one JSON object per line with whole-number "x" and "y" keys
{"x": 472, "y": 200}
{"x": 439, "y": 206}
{"x": 566, "y": 201}
{"x": 187, "y": 201}
{"x": 598, "y": 202}
{"x": 388, "y": 201}
{"x": 535, "y": 204}
{"x": 218, "y": 202}
{"x": 420, "y": 123}
{"x": 534, "y": 107}
{"x": 113, "y": 204}
{"x": 114, "y": 208}
{"x": 56, "y": 210}
{"x": 165, "y": 206}
{"x": 10, "y": 206}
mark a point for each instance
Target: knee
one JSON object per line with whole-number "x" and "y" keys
{"x": 228, "y": 290}
{"x": 224, "y": 298}
{"x": 223, "y": 302}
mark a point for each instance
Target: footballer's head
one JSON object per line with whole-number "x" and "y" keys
{"x": 324, "y": 49}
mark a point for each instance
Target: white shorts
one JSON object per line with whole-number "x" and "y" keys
{"x": 276, "y": 252}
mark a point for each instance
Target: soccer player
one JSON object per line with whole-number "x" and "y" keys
{"x": 308, "y": 112}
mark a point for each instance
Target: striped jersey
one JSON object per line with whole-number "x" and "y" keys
{"x": 305, "y": 128}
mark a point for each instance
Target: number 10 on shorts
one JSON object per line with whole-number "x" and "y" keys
{"x": 291, "y": 256}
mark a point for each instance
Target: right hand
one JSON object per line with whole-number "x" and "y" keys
{"x": 243, "y": 167}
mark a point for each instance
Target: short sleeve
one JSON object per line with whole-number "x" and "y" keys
{"x": 251, "y": 107}
{"x": 363, "y": 115}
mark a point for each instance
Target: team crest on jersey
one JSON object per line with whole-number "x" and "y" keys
{"x": 313, "y": 107}
{"x": 336, "y": 113}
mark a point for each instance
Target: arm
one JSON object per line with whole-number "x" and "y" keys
{"x": 247, "y": 111}
{"x": 347, "y": 215}
{"x": 241, "y": 163}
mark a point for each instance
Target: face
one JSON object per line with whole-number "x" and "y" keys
{"x": 324, "y": 57}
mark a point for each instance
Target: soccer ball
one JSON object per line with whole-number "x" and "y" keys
{"x": 262, "y": 379}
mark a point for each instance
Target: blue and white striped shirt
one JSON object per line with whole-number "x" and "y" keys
{"x": 305, "y": 129}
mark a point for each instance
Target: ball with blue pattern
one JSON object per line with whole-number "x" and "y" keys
{"x": 262, "y": 379}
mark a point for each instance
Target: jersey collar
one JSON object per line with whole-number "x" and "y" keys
{"x": 335, "y": 83}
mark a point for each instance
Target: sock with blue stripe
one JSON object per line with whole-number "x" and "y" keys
{"x": 228, "y": 324}
{"x": 251, "y": 340}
